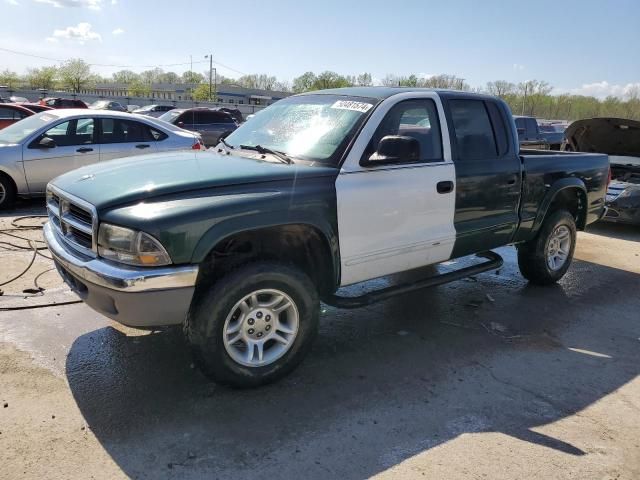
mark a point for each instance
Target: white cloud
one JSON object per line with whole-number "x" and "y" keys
{"x": 603, "y": 89}
{"x": 81, "y": 32}
{"x": 518, "y": 66}
{"x": 51, "y": 40}
{"x": 91, "y": 4}
{"x": 114, "y": 2}
{"x": 118, "y": 31}
{"x": 12, "y": 2}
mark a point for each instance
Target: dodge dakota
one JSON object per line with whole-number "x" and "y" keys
{"x": 241, "y": 243}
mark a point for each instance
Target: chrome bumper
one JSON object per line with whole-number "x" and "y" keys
{"x": 123, "y": 279}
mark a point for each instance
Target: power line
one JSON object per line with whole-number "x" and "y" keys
{"x": 57, "y": 60}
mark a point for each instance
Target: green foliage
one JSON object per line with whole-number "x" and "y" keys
{"x": 126, "y": 76}
{"x": 9, "y": 79}
{"x": 44, "y": 77}
{"x": 201, "y": 92}
{"x": 192, "y": 77}
{"x": 139, "y": 89}
{"x": 75, "y": 74}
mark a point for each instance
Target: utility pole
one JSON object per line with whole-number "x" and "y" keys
{"x": 212, "y": 83}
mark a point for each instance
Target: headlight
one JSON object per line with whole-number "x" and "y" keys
{"x": 130, "y": 246}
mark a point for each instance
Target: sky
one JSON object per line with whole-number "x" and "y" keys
{"x": 584, "y": 47}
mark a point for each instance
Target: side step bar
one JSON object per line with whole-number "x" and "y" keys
{"x": 493, "y": 262}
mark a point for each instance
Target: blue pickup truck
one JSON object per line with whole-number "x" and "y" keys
{"x": 241, "y": 244}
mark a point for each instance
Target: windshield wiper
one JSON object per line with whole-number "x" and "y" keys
{"x": 224, "y": 142}
{"x": 260, "y": 149}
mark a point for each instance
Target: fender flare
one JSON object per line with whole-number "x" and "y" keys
{"x": 560, "y": 185}
{"x": 247, "y": 223}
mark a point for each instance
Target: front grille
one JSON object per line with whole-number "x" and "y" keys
{"x": 74, "y": 221}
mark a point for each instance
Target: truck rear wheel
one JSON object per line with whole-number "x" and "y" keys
{"x": 546, "y": 258}
{"x": 254, "y": 325}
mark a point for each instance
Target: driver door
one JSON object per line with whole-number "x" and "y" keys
{"x": 397, "y": 216}
{"x": 74, "y": 147}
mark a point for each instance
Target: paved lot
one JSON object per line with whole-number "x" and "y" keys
{"x": 483, "y": 378}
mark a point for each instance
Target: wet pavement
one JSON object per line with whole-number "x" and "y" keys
{"x": 482, "y": 378}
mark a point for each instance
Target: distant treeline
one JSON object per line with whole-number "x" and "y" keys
{"x": 532, "y": 98}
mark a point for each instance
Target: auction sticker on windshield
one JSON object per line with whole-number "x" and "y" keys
{"x": 351, "y": 105}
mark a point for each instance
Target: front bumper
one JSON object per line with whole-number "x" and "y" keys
{"x": 137, "y": 297}
{"x": 622, "y": 213}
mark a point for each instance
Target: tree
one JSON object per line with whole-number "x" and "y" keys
{"x": 125, "y": 76}
{"x": 500, "y": 88}
{"x": 304, "y": 82}
{"x": 328, "y": 79}
{"x": 201, "y": 92}
{"x": 139, "y": 89}
{"x": 9, "y": 78}
{"x": 44, "y": 77}
{"x": 75, "y": 74}
{"x": 364, "y": 80}
{"x": 192, "y": 77}
{"x": 152, "y": 76}
{"x": 170, "y": 77}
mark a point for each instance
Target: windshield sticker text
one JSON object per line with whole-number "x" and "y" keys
{"x": 351, "y": 105}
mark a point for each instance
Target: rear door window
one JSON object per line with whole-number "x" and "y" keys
{"x": 115, "y": 130}
{"x": 11, "y": 114}
{"x": 474, "y": 135}
{"x": 72, "y": 132}
{"x": 499, "y": 127}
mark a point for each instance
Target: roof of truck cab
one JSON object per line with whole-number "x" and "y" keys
{"x": 382, "y": 93}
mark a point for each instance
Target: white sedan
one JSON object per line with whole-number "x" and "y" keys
{"x": 39, "y": 148}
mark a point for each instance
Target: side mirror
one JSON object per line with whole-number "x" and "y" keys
{"x": 46, "y": 142}
{"x": 395, "y": 148}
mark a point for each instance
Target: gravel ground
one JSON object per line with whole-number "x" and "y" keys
{"x": 483, "y": 378}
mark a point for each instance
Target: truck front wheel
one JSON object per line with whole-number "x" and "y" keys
{"x": 546, "y": 258}
{"x": 254, "y": 325}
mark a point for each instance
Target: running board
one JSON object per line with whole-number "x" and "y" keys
{"x": 493, "y": 262}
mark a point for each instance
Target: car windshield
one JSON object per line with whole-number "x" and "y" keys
{"x": 310, "y": 127}
{"x": 19, "y": 131}
{"x": 170, "y": 116}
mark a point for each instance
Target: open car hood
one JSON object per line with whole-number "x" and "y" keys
{"x": 613, "y": 136}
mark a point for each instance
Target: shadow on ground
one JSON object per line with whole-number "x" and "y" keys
{"x": 382, "y": 384}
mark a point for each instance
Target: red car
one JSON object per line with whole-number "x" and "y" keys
{"x": 10, "y": 114}
{"x": 57, "y": 102}
{"x": 35, "y": 107}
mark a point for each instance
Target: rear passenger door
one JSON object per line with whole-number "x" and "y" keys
{"x": 124, "y": 138}
{"x": 488, "y": 175}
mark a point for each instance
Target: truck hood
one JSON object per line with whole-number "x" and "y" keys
{"x": 135, "y": 179}
{"x": 613, "y": 136}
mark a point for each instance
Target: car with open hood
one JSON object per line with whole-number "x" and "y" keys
{"x": 620, "y": 139}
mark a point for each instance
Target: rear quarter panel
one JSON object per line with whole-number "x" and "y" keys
{"x": 547, "y": 173}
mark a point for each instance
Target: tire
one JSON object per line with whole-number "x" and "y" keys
{"x": 7, "y": 192}
{"x": 533, "y": 256}
{"x": 219, "y": 309}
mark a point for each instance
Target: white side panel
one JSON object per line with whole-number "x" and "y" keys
{"x": 391, "y": 218}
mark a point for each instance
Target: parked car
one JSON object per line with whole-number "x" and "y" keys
{"x": 11, "y": 113}
{"x": 553, "y": 133}
{"x": 132, "y": 108}
{"x": 529, "y": 134}
{"x": 108, "y": 105}
{"x": 57, "y": 102}
{"x": 318, "y": 191}
{"x": 47, "y": 144}
{"x": 35, "y": 107}
{"x": 154, "y": 110}
{"x": 212, "y": 124}
{"x": 620, "y": 139}
{"x": 234, "y": 112}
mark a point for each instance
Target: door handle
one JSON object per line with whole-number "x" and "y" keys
{"x": 445, "y": 187}
{"x": 143, "y": 145}
{"x": 84, "y": 150}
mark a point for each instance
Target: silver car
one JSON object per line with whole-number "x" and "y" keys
{"x": 40, "y": 147}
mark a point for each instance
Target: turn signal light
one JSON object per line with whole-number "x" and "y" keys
{"x": 196, "y": 146}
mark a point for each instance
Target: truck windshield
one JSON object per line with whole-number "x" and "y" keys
{"x": 19, "y": 131}
{"x": 309, "y": 127}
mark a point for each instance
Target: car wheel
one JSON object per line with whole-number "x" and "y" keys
{"x": 7, "y": 192}
{"x": 254, "y": 325}
{"x": 546, "y": 258}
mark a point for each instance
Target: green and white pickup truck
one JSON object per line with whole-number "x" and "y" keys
{"x": 240, "y": 244}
